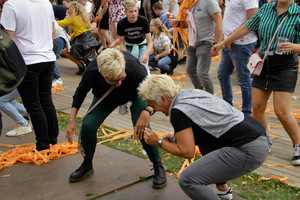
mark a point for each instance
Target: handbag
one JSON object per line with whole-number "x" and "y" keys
{"x": 255, "y": 63}
{"x": 12, "y": 64}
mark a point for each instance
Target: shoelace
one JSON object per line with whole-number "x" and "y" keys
{"x": 296, "y": 150}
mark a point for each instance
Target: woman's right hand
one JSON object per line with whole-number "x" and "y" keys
{"x": 173, "y": 22}
{"x": 71, "y": 130}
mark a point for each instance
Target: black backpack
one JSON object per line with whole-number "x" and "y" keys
{"x": 12, "y": 65}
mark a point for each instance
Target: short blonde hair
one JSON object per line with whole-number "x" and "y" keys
{"x": 111, "y": 63}
{"x": 129, "y": 3}
{"x": 156, "y": 86}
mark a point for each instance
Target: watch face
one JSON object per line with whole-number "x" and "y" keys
{"x": 160, "y": 142}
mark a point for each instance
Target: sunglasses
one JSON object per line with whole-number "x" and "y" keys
{"x": 111, "y": 82}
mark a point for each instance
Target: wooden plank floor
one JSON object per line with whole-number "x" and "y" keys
{"x": 281, "y": 149}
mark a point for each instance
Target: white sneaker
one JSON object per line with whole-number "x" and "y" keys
{"x": 296, "y": 155}
{"x": 59, "y": 81}
{"x": 223, "y": 195}
{"x": 56, "y": 82}
{"x": 123, "y": 110}
{"x": 19, "y": 130}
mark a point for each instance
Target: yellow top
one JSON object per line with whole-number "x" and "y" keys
{"x": 77, "y": 25}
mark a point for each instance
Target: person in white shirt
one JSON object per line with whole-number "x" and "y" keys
{"x": 171, "y": 6}
{"x": 237, "y": 12}
{"x": 31, "y": 25}
{"x": 87, "y": 5}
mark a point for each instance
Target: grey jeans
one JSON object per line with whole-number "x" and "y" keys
{"x": 198, "y": 62}
{"x": 222, "y": 165}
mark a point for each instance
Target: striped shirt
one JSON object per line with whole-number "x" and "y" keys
{"x": 266, "y": 21}
{"x": 163, "y": 18}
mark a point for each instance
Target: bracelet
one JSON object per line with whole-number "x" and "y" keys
{"x": 151, "y": 112}
{"x": 72, "y": 120}
{"x": 223, "y": 45}
{"x": 178, "y": 24}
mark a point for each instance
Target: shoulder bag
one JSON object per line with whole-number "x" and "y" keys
{"x": 255, "y": 63}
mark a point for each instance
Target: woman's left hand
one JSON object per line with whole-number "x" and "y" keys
{"x": 156, "y": 58}
{"x": 287, "y": 47}
{"x": 141, "y": 124}
{"x": 150, "y": 137}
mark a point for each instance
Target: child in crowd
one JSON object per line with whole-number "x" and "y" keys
{"x": 163, "y": 54}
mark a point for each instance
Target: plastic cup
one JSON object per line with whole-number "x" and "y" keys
{"x": 280, "y": 40}
{"x": 168, "y": 15}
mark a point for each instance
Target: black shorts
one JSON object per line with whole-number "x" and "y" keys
{"x": 104, "y": 22}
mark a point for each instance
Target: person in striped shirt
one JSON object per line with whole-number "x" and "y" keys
{"x": 279, "y": 73}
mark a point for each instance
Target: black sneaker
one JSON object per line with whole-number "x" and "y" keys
{"x": 296, "y": 155}
{"x": 159, "y": 180}
{"x": 83, "y": 171}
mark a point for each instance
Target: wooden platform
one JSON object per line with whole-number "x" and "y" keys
{"x": 281, "y": 149}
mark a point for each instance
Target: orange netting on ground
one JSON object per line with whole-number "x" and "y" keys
{"x": 27, "y": 153}
{"x": 57, "y": 88}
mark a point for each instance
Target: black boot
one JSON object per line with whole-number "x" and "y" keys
{"x": 83, "y": 171}
{"x": 159, "y": 180}
{"x": 81, "y": 68}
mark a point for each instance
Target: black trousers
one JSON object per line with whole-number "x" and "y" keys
{"x": 35, "y": 91}
{"x": 0, "y": 123}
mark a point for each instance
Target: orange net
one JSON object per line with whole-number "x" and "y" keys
{"x": 27, "y": 153}
{"x": 186, "y": 4}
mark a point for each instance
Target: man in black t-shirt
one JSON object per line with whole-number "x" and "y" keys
{"x": 124, "y": 72}
{"x": 134, "y": 33}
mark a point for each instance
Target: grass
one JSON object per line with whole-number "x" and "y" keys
{"x": 247, "y": 186}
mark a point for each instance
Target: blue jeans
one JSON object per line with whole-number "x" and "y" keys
{"x": 142, "y": 51}
{"x": 237, "y": 59}
{"x": 13, "y": 109}
{"x": 60, "y": 45}
{"x": 163, "y": 63}
{"x": 35, "y": 91}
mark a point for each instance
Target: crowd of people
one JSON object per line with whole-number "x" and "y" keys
{"x": 115, "y": 44}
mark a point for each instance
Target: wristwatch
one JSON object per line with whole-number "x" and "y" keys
{"x": 159, "y": 143}
{"x": 151, "y": 112}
